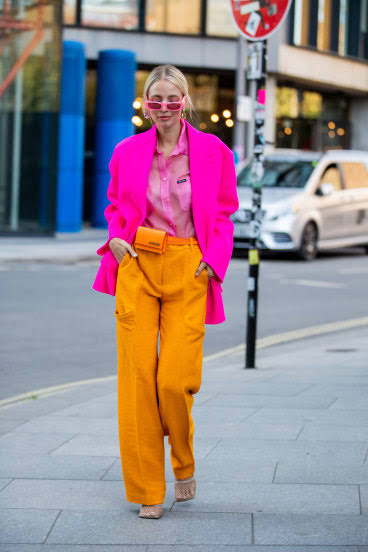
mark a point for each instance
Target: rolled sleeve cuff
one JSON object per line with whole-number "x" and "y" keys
{"x": 216, "y": 276}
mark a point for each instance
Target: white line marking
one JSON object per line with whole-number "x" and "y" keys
{"x": 274, "y": 276}
{"x": 261, "y": 344}
{"x": 357, "y": 270}
{"x": 312, "y": 283}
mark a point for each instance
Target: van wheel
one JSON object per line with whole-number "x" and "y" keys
{"x": 308, "y": 246}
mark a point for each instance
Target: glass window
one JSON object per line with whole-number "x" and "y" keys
{"x": 301, "y": 23}
{"x": 219, "y": 19}
{"x": 280, "y": 174}
{"x": 295, "y": 133}
{"x": 334, "y": 134}
{"x": 350, "y": 26}
{"x": 291, "y": 102}
{"x": 311, "y": 105}
{"x": 313, "y": 23}
{"x": 69, "y": 12}
{"x": 307, "y": 119}
{"x": 331, "y": 25}
{"x": 332, "y": 176}
{"x": 324, "y": 25}
{"x": 29, "y": 117}
{"x": 343, "y": 28}
{"x": 355, "y": 175}
{"x": 181, "y": 16}
{"x": 287, "y": 102}
{"x": 122, "y": 14}
{"x": 363, "y": 35}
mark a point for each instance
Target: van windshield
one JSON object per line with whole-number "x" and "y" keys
{"x": 280, "y": 174}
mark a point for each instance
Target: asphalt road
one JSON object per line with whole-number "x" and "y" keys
{"x": 56, "y": 329}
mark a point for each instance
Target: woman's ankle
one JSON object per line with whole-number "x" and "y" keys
{"x": 186, "y": 479}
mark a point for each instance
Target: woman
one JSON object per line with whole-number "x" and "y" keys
{"x": 181, "y": 183}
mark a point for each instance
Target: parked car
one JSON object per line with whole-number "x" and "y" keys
{"x": 310, "y": 201}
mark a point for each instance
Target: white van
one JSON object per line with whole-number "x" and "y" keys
{"x": 310, "y": 201}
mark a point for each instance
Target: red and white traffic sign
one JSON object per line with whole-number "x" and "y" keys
{"x": 259, "y": 19}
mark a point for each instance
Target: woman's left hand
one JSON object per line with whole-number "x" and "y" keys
{"x": 203, "y": 265}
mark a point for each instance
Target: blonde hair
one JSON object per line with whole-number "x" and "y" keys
{"x": 175, "y": 76}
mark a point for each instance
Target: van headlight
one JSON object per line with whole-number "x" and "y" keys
{"x": 284, "y": 211}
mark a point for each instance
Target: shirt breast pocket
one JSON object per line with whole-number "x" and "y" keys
{"x": 184, "y": 191}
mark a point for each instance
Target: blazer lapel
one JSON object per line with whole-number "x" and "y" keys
{"x": 201, "y": 163}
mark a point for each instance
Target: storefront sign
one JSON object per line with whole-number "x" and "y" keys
{"x": 258, "y": 19}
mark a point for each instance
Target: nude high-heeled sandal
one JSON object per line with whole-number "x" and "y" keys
{"x": 153, "y": 511}
{"x": 185, "y": 489}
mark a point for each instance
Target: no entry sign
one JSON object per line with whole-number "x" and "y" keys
{"x": 258, "y": 19}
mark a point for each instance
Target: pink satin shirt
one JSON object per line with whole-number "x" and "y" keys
{"x": 169, "y": 192}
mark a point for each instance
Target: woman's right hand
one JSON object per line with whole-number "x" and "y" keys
{"x": 119, "y": 249}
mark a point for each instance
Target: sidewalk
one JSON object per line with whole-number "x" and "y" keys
{"x": 281, "y": 461}
{"x": 73, "y": 246}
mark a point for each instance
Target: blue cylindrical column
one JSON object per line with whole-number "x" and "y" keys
{"x": 71, "y": 139}
{"x": 114, "y": 110}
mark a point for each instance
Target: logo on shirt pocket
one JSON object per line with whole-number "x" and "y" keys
{"x": 184, "y": 191}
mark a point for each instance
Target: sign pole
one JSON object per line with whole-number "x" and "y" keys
{"x": 256, "y": 21}
{"x": 257, "y": 73}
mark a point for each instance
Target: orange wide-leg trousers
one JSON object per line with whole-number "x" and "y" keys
{"x": 158, "y": 294}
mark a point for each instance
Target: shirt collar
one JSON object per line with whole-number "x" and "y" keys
{"x": 182, "y": 144}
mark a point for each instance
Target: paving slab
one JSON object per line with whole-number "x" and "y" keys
{"x": 26, "y": 525}
{"x": 296, "y": 529}
{"x": 115, "y": 527}
{"x": 308, "y": 471}
{"x": 281, "y": 461}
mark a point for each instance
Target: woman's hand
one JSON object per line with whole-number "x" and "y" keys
{"x": 203, "y": 265}
{"x": 119, "y": 249}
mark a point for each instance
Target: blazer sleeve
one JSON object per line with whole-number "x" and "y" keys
{"x": 114, "y": 217}
{"x": 220, "y": 248}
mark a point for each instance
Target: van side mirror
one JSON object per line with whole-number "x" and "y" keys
{"x": 325, "y": 189}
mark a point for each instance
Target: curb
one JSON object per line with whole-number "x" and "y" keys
{"x": 57, "y": 260}
{"x": 262, "y": 343}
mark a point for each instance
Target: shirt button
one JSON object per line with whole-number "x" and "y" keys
{"x": 164, "y": 178}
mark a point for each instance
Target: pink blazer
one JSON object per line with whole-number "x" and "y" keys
{"x": 214, "y": 199}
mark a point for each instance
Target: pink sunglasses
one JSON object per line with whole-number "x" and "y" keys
{"x": 170, "y": 106}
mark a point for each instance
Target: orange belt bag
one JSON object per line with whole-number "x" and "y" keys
{"x": 150, "y": 239}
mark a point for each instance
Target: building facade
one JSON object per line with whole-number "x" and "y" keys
{"x": 317, "y": 86}
{"x": 30, "y": 61}
{"x": 317, "y": 62}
